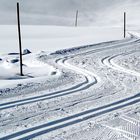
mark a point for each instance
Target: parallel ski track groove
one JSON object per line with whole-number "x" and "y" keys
{"x": 56, "y": 94}
{"x": 76, "y": 118}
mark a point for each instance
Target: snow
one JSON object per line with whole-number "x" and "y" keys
{"x": 32, "y": 69}
{"x": 44, "y": 38}
{"x": 78, "y": 83}
{"x": 52, "y": 38}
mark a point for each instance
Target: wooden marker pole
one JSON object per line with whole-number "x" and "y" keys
{"x": 76, "y": 20}
{"x": 19, "y": 34}
{"x": 124, "y": 24}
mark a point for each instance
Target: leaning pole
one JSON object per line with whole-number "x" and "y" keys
{"x": 19, "y": 35}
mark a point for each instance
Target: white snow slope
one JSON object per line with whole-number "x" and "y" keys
{"x": 90, "y": 92}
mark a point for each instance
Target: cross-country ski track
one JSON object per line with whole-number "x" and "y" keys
{"x": 107, "y": 88}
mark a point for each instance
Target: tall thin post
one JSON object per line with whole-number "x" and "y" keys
{"x": 124, "y": 24}
{"x": 76, "y": 20}
{"x": 19, "y": 34}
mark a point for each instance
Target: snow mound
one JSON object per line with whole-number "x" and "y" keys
{"x": 32, "y": 68}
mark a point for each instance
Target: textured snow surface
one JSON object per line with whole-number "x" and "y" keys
{"x": 52, "y": 38}
{"x": 90, "y": 92}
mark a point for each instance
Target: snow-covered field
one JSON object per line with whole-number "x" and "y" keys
{"x": 90, "y": 91}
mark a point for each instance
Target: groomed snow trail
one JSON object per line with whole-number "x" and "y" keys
{"x": 107, "y": 89}
{"x": 90, "y": 79}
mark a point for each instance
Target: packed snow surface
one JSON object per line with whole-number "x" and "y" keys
{"x": 79, "y": 83}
